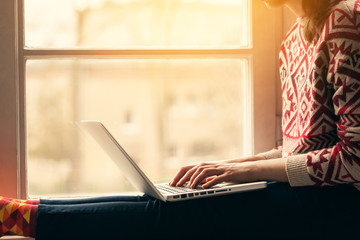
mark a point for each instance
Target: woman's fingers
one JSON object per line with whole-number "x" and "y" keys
{"x": 185, "y": 174}
{"x": 202, "y": 174}
{"x": 196, "y": 173}
{"x": 200, "y": 169}
{"x": 208, "y": 179}
{"x": 214, "y": 181}
{"x": 180, "y": 175}
{"x": 186, "y": 177}
{"x": 207, "y": 173}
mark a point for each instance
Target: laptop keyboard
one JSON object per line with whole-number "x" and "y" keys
{"x": 169, "y": 189}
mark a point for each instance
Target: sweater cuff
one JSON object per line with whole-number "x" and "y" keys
{"x": 274, "y": 153}
{"x": 296, "y": 170}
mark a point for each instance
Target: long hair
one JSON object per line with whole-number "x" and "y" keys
{"x": 316, "y": 14}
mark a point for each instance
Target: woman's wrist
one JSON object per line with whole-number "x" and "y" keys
{"x": 271, "y": 170}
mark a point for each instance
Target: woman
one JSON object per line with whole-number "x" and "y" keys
{"x": 320, "y": 74}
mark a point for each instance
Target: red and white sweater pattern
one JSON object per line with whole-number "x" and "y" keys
{"x": 321, "y": 101}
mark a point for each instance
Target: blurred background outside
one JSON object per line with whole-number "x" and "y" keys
{"x": 165, "y": 111}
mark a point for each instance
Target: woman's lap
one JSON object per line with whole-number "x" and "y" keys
{"x": 277, "y": 212}
{"x": 92, "y": 200}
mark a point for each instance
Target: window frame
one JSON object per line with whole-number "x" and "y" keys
{"x": 263, "y": 55}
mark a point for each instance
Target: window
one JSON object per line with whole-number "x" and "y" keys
{"x": 176, "y": 81}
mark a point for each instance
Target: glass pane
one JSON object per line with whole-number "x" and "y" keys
{"x": 165, "y": 113}
{"x": 137, "y": 23}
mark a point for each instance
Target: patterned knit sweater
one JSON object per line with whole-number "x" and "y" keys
{"x": 321, "y": 101}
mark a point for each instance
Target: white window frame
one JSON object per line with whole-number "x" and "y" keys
{"x": 263, "y": 55}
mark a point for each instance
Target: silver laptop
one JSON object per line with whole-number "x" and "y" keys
{"x": 136, "y": 176}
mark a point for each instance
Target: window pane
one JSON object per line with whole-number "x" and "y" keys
{"x": 165, "y": 113}
{"x": 137, "y": 23}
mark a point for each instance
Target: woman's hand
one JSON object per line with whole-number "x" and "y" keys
{"x": 213, "y": 173}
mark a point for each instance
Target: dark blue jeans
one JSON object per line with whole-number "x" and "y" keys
{"x": 277, "y": 212}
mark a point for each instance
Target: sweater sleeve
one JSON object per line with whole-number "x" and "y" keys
{"x": 338, "y": 164}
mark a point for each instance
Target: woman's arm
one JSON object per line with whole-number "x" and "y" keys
{"x": 240, "y": 160}
{"x": 234, "y": 172}
{"x": 184, "y": 173}
{"x": 272, "y": 170}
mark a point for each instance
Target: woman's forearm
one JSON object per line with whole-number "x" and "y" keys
{"x": 246, "y": 159}
{"x": 271, "y": 169}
